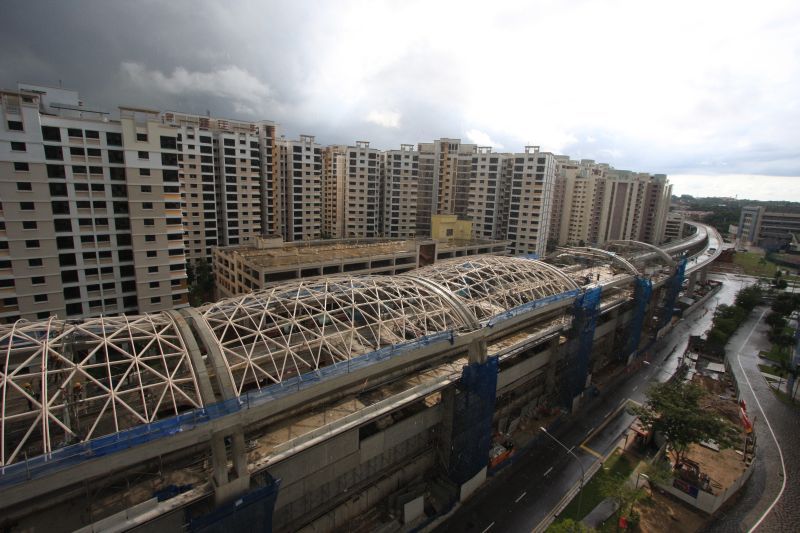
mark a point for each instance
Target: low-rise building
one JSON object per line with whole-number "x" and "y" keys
{"x": 241, "y": 269}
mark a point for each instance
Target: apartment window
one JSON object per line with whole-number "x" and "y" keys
{"x": 5, "y": 264}
{"x": 50, "y": 133}
{"x": 149, "y": 238}
{"x": 146, "y": 188}
{"x": 141, "y": 137}
{"x": 21, "y": 167}
{"x": 28, "y": 224}
{"x": 37, "y": 280}
{"x": 53, "y": 152}
{"x": 64, "y": 243}
{"x": 92, "y": 134}
{"x": 74, "y": 132}
{"x": 144, "y": 171}
{"x": 116, "y": 156}
{"x": 93, "y": 152}
{"x": 155, "y": 300}
{"x": 26, "y": 206}
{"x": 39, "y": 298}
{"x": 148, "y": 222}
{"x": 18, "y": 147}
{"x": 143, "y": 155}
{"x": 75, "y": 309}
{"x": 152, "y": 269}
{"x": 113, "y": 139}
{"x": 58, "y": 189}
{"x": 152, "y": 253}
{"x": 72, "y": 293}
{"x": 63, "y": 225}
{"x": 155, "y": 284}
{"x": 15, "y": 125}
{"x": 24, "y": 186}
{"x": 69, "y": 276}
{"x": 147, "y": 205}
{"x": 73, "y": 150}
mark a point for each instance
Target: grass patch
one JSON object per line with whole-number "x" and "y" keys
{"x": 616, "y": 465}
{"x": 783, "y": 397}
{"x": 775, "y": 354}
{"x": 769, "y": 369}
{"x": 752, "y": 265}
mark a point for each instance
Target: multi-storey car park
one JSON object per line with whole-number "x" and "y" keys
{"x": 316, "y": 403}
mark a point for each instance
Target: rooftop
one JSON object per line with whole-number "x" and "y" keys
{"x": 296, "y": 253}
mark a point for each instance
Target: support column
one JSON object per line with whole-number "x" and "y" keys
{"x": 472, "y": 411}
{"x": 641, "y": 298}
{"x": 583, "y": 324}
{"x": 673, "y": 287}
{"x": 692, "y": 282}
{"x": 229, "y": 483}
{"x": 703, "y": 274}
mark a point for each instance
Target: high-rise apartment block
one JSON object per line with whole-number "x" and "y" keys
{"x": 401, "y": 196}
{"x": 594, "y": 203}
{"x": 91, "y": 209}
{"x": 100, "y": 215}
{"x": 300, "y": 188}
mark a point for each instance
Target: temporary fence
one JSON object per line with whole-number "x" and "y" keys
{"x": 67, "y": 456}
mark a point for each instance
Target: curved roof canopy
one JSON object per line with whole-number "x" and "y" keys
{"x": 270, "y": 335}
{"x": 63, "y": 382}
{"x": 643, "y": 256}
{"x": 489, "y": 285}
{"x": 577, "y": 259}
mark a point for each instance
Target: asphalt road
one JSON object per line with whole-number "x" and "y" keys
{"x": 771, "y": 499}
{"x": 522, "y": 495}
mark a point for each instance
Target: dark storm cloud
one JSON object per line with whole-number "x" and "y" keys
{"x": 645, "y": 89}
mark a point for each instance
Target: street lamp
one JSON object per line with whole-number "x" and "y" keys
{"x": 583, "y": 472}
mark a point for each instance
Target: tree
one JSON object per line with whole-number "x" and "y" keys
{"x": 776, "y": 321}
{"x": 673, "y": 409}
{"x": 568, "y": 525}
{"x": 749, "y": 297}
{"x": 201, "y": 284}
{"x": 785, "y": 303}
{"x": 621, "y": 492}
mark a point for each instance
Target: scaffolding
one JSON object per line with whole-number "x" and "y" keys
{"x": 586, "y": 309}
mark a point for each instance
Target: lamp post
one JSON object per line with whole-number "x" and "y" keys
{"x": 583, "y": 472}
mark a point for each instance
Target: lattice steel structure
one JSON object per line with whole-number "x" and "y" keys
{"x": 645, "y": 257}
{"x": 65, "y": 382}
{"x": 489, "y": 285}
{"x": 270, "y": 335}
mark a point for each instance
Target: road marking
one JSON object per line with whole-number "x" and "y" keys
{"x": 548, "y": 471}
{"x": 570, "y": 450}
{"x": 488, "y": 528}
{"x": 636, "y": 387}
{"x": 769, "y": 426}
{"x": 524, "y": 493}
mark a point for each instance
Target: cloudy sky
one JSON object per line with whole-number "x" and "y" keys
{"x": 707, "y": 92}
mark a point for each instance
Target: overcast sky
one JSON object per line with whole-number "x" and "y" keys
{"x": 707, "y": 92}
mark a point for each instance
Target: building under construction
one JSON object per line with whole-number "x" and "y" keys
{"x": 318, "y": 403}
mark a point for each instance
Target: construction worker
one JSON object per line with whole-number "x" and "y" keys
{"x": 29, "y": 391}
{"x": 77, "y": 391}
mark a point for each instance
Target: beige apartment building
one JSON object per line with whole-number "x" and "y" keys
{"x": 238, "y": 270}
{"x": 489, "y": 185}
{"x": 401, "y": 186}
{"x": 444, "y": 174}
{"x": 299, "y": 166}
{"x": 352, "y": 182}
{"x": 594, "y": 203}
{"x": 91, "y": 209}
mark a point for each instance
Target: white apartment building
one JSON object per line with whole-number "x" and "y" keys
{"x": 352, "y": 185}
{"x": 530, "y": 201}
{"x": 401, "y": 185}
{"x": 91, "y": 209}
{"x": 489, "y": 185}
{"x": 580, "y": 205}
{"x": 300, "y": 182}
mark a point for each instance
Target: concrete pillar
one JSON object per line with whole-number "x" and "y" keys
{"x": 703, "y": 274}
{"x": 229, "y": 484}
{"x": 477, "y": 351}
{"x": 550, "y": 376}
{"x": 692, "y": 283}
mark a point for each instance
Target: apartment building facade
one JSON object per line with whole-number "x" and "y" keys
{"x": 401, "y": 186}
{"x": 299, "y": 165}
{"x": 770, "y": 230}
{"x": 91, "y": 209}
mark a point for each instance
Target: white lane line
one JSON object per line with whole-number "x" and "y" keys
{"x": 488, "y": 528}
{"x": 522, "y": 495}
{"x": 769, "y": 426}
{"x": 548, "y": 471}
{"x": 636, "y": 387}
{"x": 570, "y": 450}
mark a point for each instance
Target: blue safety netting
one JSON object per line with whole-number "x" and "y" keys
{"x": 643, "y": 290}
{"x": 529, "y": 306}
{"x": 68, "y": 456}
{"x": 250, "y": 512}
{"x": 673, "y": 290}
{"x": 473, "y": 410}
{"x": 585, "y": 312}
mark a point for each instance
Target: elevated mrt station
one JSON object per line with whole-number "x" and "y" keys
{"x": 342, "y": 401}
